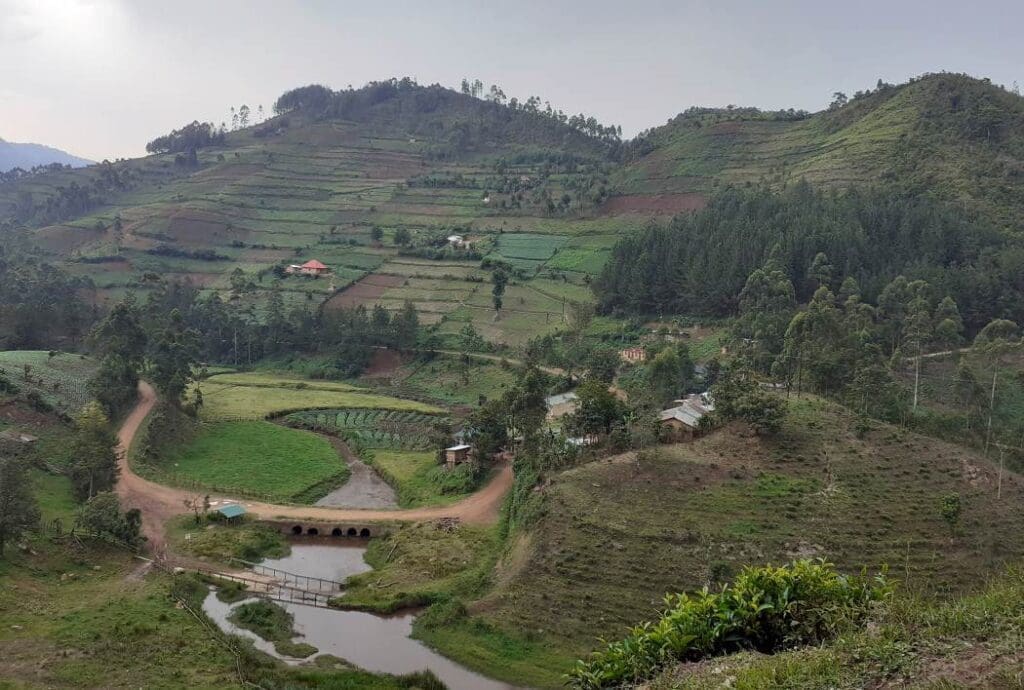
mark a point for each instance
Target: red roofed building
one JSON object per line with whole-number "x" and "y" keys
{"x": 310, "y": 268}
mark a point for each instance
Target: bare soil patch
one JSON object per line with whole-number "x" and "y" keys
{"x": 63, "y": 239}
{"x": 384, "y": 364}
{"x": 366, "y": 290}
{"x": 191, "y": 226}
{"x": 654, "y": 203}
{"x": 22, "y": 416}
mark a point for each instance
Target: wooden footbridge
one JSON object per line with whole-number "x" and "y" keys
{"x": 280, "y": 585}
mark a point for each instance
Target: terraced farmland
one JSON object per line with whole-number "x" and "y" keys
{"x": 370, "y": 428}
{"x": 60, "y": 379}
{"x": 318, "y": 191}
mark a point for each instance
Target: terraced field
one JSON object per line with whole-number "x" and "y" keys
{"x": 318, "y": 191}
{"x": 59, "y": 378}
{"x": 370, "y": 428}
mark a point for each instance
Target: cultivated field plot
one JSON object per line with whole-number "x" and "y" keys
{"x": 257, "y": 459}
{"x": 526, "y": 251}
{"x": 61, "y": 379}
{"x": 822, "y": 488}
{"x": 457, "y": 382}
{"x": 259, "y": 395}
{"x": 370, "y": 428}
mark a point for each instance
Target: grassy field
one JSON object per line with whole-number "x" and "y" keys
{"x": 614, "y": 536}
{"x": 220, "y": 542}
{"x": 257, "y": 459}
{"x": 257, "y": 395}
{"x": 60, "y": 379}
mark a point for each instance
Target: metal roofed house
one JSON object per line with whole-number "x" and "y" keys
{"x": 310, "y": 268}
{"x": 561, "y": 404}
{"x": 457, "y": 454}
{"x": 682, "y": 421}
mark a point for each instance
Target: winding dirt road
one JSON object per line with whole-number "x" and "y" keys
{"x": 160, "y": 503}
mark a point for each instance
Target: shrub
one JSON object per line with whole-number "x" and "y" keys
{"x": 767, "y": 609}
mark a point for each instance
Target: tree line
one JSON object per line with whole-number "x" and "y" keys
{"x": 464, "y": 122}
{"x": 699, "y": 263}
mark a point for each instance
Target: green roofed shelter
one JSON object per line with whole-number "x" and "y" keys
{"x": 232, "y": 511}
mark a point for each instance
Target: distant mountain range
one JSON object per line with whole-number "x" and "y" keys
{"x": 30, "y": 155}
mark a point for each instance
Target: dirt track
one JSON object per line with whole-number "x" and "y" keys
{"x": 160, "y": 503}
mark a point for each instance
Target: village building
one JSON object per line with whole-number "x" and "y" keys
{"x": 682, "y": 421}
{"x": 456, "y": 455}
{"x": 310, "y": 268}
{"x": 458, "y": 241}
{"x": 633, "y": 355}
{"x": 231, "y": 513}
{"x": 561, "y": 404}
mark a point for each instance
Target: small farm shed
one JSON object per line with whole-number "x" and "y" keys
{"x": 456, "y": 454}
{"x": 682, "y": 422}
{"x": 232, "y": 512}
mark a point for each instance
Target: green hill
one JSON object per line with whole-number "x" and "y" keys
{"x": 341, "y": 176}
{"x": 948, "y": 133}
{"x": 340, "y": 181}
{"x": 612, "y": 537}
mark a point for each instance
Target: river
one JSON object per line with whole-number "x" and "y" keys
{"x": 375, "y": 643}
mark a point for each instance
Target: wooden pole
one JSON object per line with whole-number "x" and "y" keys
{"x": 991, "y": 408}
{"x": 999, "y": 483}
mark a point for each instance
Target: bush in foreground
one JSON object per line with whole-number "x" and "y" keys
{"x": 767, "y": 609}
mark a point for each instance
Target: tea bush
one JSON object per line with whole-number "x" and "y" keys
{"x": 766, "y": 609}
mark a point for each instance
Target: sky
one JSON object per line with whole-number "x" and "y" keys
{"x": 100, "y": 78}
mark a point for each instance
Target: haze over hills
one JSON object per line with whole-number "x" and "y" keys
{"x": 28, "y": 156}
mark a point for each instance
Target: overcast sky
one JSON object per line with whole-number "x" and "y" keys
{"x": 99, "y": 78}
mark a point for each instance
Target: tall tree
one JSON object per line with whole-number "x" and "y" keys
{"x": 767, "y": 305}
{"x": 93, "y": 456}
{"x": 173, "y": 359}
{"x": 121, "y": 342}
{"x": 18, "y": 509}
{"x": 499, "y": 280}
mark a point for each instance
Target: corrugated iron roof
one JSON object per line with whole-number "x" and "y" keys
{"x": 232, "y": 511}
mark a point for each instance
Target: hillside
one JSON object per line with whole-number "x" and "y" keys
{"x": 372, "y": 181}
{"x": 423, "y": 162}
{"x": 949, "y": 134}
{"x": 27, "y": 156}
{"x": 612, "y": 537}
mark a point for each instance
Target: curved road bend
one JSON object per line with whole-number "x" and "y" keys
{"x": 160, "y": 503}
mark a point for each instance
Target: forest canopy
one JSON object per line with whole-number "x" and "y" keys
{"x": 700, "y": 262}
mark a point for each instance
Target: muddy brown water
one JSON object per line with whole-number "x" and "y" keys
{"x": 375, "y": 643}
